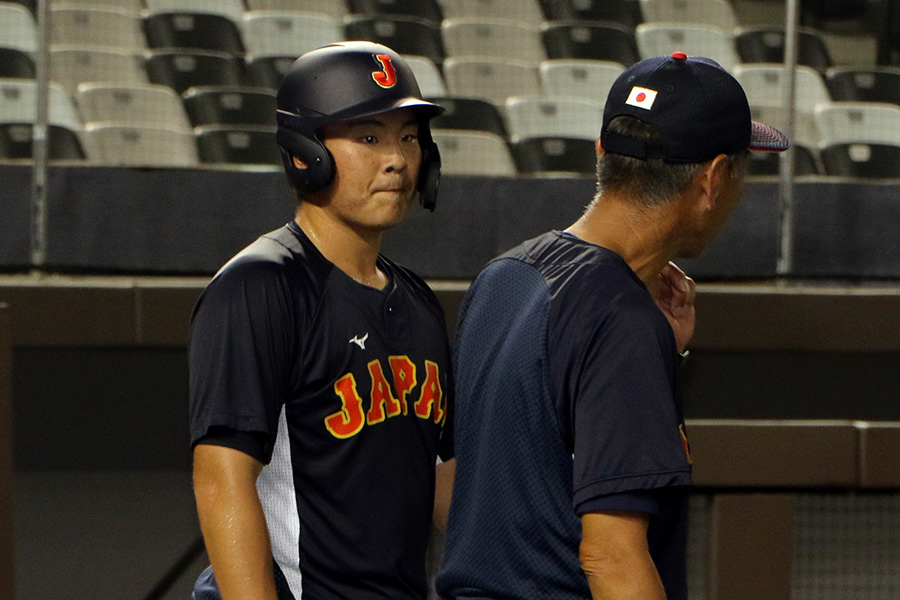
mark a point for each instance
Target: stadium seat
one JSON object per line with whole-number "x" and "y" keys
{"x": 428, "y": 76}
{"x": 18, "y": 112}
{"x": 403, "y": 34}
{"x": 16, "y": 142}
{"x": 541, "y": 116}
{"x": 590, "y": 79}
{"x": 194, "y": 31}
{"x": 336, "y": 9}
{"x": 238, "y": 144}
{"x": 97, "y": 27}
{"x": 858, "y": 122}
{"x": 473, "y": 153}
{"x": 270, "y": 33}
{"x": 555, "y": 155}
{"x": 864, "y": 161}
{"x": 18, "y": 29}
{"x": 832, "y": 9}
{"x": 231, "y": 9}
{"x": 140, "y": 146}
{"x": 528, "y": 11}
{"x": 131, "y": 105}
{"x": 30, "y": 5}
{"x": 427, "y": 10}
{"x": 229, "y": 105}
{"x": 497, "y": 38}
{"x": 130, "y": 6}
{"x": 889, "y": 36}
{"x": 18, "y": 104}
{"x": 766, "y": 45}
{"x": 469, "y": 114}
{"x": 74, "y": 65}
{"x": 864, "y": 84}
{"x": 769, "y": 163}
{"x": 181, "y": 70}
{"x": 659, "y": 39}
{"x": 487, "y": 79}
{"x": 590, "y": 40}
{"x": 717, "y": 13}
{"x": 268, "y": 71}
{"x": 622, "y": 12}
{"x": 16, "y": 63}
{"x": 806, "y": 132}
{"x": 765, "y": 84}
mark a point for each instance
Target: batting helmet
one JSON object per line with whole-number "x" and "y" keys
{"x": 341, "y": 82}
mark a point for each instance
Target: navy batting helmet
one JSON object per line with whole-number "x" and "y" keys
{"x": 341, "y": 82}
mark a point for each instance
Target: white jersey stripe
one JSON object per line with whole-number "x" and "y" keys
{"x": 279, "y": 501}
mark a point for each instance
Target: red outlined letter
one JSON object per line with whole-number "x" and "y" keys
{"x": 404, "y": 371}
{"x": 381, "y": 395}
{"x": 348, "y": 421}
{"x": 432, "y": 394}
{"x": 387, "y": 77}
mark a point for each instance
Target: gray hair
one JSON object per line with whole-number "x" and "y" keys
{"x": 651, "y": 182}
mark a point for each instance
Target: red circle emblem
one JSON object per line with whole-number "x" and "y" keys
{"x": 641, "y": 97}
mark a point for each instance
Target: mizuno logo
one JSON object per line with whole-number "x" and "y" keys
{"x": 359, "y": 341}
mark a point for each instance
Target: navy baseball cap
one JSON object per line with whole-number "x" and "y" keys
{"x": 698, "y": 109}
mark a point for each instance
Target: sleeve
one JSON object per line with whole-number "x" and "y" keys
{"x": 242, "y": 336}
{"x": 625, "y": 418}
{"x": 642, "y": 502}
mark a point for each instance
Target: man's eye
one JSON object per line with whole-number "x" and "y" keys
{"x": 410, "y": 137}
{"x": 369, "y": 139}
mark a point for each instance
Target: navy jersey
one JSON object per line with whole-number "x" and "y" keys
{"x": 346, "y": 389}
{"x": 565, "y": 404}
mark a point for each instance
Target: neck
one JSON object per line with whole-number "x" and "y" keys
{"x": 645, "y": 237}
{"x": 354, "y": 252}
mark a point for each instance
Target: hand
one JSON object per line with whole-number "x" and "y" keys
{"x": 674, "y": 294}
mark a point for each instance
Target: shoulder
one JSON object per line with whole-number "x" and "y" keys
{"x": 283, "y": 250}
{"x": 571, "y": 267}
{"x": 279, "y": 264}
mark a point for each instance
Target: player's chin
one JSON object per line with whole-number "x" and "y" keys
{"x": 397, "y": 201}
{"x": 393, "y": 208}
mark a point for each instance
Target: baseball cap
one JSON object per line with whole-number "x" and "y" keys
{"x": 698, "y": 109}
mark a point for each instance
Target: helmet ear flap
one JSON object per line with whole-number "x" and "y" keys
{"x": 430, "y": 167}
{"x": 429, "y": 176}
{"x": 319, "y": 171}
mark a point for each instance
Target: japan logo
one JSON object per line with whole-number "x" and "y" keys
{"x": 386, "y": 77}
{"x": 641, "y": 97}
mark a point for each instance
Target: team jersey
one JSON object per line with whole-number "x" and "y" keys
{"x": 347, "y": 389}
{"x": 565, "y": 404}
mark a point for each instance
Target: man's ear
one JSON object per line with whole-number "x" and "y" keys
{"x": 711, "y": 180}
{"x": 299, "y": 163}
{"x": 598, "y": 147}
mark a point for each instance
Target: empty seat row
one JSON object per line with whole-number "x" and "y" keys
{"x": 226, "y": 28}
{"x": 150, "y": 105}
{"x": 466, "y": 153}
{"x": 477, "y": 77}
{"x": 121, "y": 145}
{"x": 180, "y": 70}
{"x": 481, "y": 153}
{"x": 529, "y": 113}
{"x": 628, "y": 12}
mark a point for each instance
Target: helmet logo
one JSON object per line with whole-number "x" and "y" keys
{"x": 387, "y": 77}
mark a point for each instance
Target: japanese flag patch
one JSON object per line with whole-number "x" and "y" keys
{"x": 641, "y": 97}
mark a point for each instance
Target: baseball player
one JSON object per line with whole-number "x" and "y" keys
{"x": 320, "y": 376}
{"x": 573, "y": 463}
